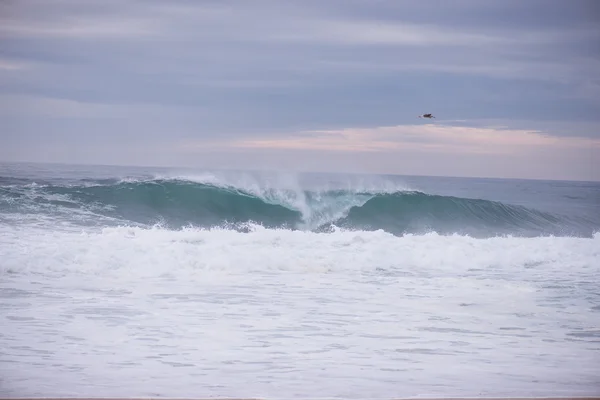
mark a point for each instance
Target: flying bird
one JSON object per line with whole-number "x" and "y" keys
{"x": 426, "y": 116}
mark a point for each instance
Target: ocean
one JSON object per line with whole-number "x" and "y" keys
{"x": 123, "y": 281}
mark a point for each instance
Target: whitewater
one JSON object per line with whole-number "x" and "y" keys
{"x": 139, "y": 282}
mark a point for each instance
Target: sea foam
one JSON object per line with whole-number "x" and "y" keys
{"x": 217, "y": 312}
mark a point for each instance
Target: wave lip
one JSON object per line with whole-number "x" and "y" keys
{"x": 176, "y": 202}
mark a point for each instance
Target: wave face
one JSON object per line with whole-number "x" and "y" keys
{"x": 176, "y": 203}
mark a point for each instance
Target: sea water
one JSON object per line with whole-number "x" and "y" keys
{"x": 179, "y": 283}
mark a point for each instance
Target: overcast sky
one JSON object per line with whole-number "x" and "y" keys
{"x": 305, "y": 85}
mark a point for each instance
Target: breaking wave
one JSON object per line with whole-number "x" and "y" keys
{"x": 176, "y": 203}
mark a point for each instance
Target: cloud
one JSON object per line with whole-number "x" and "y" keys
{"x": 67, "y": 19}
{"x": 9, "y": 65}
{"x": 78, "y": 28}
{"x": 35, "y": 106}
{"x": 366, "y": 33}
{"x": 423, "y": 138}
{"x": 429, "y": 149}
{"x": 235, "y": 76}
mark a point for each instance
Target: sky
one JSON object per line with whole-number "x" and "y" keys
{"x": 305, "y": 85}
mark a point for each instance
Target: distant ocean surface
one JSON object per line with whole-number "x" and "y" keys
{"x": 119, "y": 281}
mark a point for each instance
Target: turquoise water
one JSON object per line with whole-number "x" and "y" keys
{"x": 398, "y": 205}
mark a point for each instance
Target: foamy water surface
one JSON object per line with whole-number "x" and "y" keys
{"x": 281, "y": 314}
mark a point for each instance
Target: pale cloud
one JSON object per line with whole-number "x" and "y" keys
{"x": 463, "y": 63}
{"x": 378, "y": 33}
{"x": 69, "y": 19}
{"x": 428, "y": 149}
{"x": 38, "y": 106}
{"x": 358, "y": 32}
{"x": 79, "y": 28}
{"x": 9, "y": 65}
{"x": 259, "y": 22}
{"x": 424, "y": 138}
{"x": 24, "y": 105}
